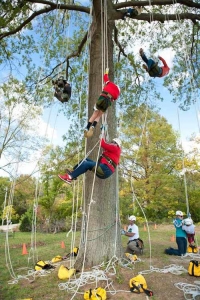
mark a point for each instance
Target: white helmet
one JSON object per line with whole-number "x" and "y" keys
{"x": 132, "y": 218}
{"x": 117, "y": 141}
{"x": 179, "y": 213}
{"x": 188, "y": 221}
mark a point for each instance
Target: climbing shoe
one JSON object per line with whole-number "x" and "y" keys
{"x": 66, "y": 178}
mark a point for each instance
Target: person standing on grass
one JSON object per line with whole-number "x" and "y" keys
{"x": 181, "y": 236}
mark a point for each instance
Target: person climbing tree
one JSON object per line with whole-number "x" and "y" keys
{"x": 105, "y": 166}
{"x": 152, "y": 67}
{"x": 62, "y": 89}
{"x": 109, "y": 94}
{"x": 132, "y": 12}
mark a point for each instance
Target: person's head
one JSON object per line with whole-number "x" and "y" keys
{"x": 179, "y": 214}
{"x": 132, "y": 219}
{"x": 117, "y": 141}
{"x": 188, "y": 222}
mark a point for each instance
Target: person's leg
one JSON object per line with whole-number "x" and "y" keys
{"x": 103, "y": 171}
{"x": 181, "y": 242}
{"x": 185, "y": 246}
{"x": 149, "y": 61}
{"x": 84, "y": 166}
{"x": 132, "y": 247}
{"x": 95, "y": 116}
{"x": 171, "y": 251}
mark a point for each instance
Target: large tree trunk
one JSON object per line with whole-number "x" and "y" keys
{"x": 101, "y": 238}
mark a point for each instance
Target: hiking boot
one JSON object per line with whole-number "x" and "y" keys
{"x": 66, "y": 178}
{"x": 145, "y": 67}
{"x": 141, "y": 51}
{"x": 90, "y": 131}
{"x": 85, "y": 132}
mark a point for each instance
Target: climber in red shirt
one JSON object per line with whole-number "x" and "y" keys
{"x": 152, "y": 67}
{"x": 105, "y": 166}
{"x": 109, "y": 94}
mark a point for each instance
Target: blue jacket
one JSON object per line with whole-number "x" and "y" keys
{"x": 179, "y": 231}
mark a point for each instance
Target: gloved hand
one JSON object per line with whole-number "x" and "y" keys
{"x": 107, "y": 70}
{"x": 123, "y": 232}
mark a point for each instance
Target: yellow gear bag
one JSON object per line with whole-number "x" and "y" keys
{"x": 138, "y": 285}
{"x": 194, "y": 268}
{"x": 65, "y": 273}
{"x": 95, "y": 294}
{"x": 192, "y": 249}
{"x": 57, "y": 259}
{"x": 132, "y": 257}
{"x": 43, "y": 265}
{"x": 75, "y": 251}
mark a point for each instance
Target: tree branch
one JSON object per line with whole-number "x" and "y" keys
{"x": 188, "y": 3}
{"x": 118, "y": 43}
{"x": 45, "y": 10}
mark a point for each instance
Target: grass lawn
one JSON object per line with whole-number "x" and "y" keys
{"x": 49, "y": 245}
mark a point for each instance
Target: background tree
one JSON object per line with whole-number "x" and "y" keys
{"x": 17, "y": 131}
{"x": 23, "y": 15}
{"x": 152, "y": 167}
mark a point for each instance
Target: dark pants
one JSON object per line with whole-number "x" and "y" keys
{"x": 182, "y": 247}
{"x": 150, "y": 62}
{"x": 89, "y": 164}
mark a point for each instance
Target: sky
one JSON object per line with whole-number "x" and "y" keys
{"x": 55, "y": 125}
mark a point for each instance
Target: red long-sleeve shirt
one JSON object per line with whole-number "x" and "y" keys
{"x": 113, "y": 151}
{"x": 111, "y": 88}
{"x": 165, "y": 68}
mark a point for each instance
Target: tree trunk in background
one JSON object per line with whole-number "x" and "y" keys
{"x": 103, "y": 227}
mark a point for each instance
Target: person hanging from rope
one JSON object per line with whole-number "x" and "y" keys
{"x": 109, "y": 94}
{"x": 62, "y": 89}
{"x": 132, "y": 12}
{"x": 105, "y": 166}
{"x": 189, "y": 228}
{"x": 152, "y": 67}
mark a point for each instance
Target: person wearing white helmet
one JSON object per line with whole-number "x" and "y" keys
{"x": 133, "y": 235}
{"x": 105, "y": 166}
{"x": 109, "y": 94}
{"x": 189, "y": 228}
{"x": 181, "y": 236}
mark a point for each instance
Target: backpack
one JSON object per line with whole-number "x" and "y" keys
{"x": 43, "y": 265}
{"x": 194, "y": 268}
{"x": 138, "y": 285}
{"x": 155, "y": 70}
{"x": 96, "y": 294}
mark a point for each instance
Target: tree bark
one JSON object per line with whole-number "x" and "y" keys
{"x": 102, "y": 227}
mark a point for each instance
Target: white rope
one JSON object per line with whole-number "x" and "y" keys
{"x": 173, "y": 269}
{"x": 183, "y": 166}
{"x": 191, "y": 291}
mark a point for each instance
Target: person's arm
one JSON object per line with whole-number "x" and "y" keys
{"x": 163, "y": 61}
{"x": 129, "y": 234}
{"x": 106, "y": 78}
{"x": 107, "y": 146}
